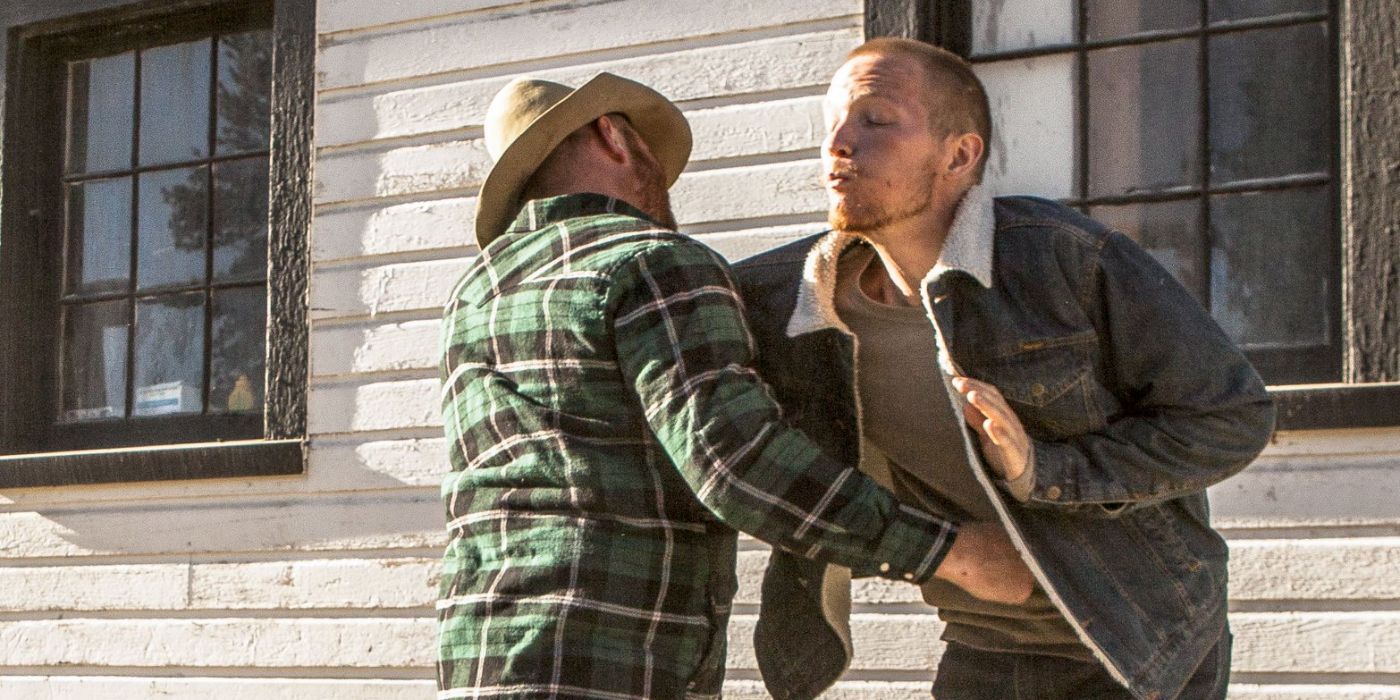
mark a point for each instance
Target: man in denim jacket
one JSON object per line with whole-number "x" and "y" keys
{"x": 1005, "y": 360}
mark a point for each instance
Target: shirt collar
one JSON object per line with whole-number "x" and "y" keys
{"x": 539, "y": 213}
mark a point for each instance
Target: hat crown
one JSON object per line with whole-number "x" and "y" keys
{"x": 517, "y": 106}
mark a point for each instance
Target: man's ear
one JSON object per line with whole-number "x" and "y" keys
{"x": 610, "y": 137}
{"x": 966, "y": 153}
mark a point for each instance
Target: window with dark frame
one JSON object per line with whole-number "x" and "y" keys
{"x": 1206, "y": 130}
{"x": 136, "y": 293}
{"x": 1030, "y": 33}
{"x": 165, "y": 191}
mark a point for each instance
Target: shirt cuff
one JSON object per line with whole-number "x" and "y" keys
{"x": 1021, "y": 487}
{"x": 913, "y": 547}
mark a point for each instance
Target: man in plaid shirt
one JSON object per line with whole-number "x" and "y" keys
{"x": 608, "y": 432}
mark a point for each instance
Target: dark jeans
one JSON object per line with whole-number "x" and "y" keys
{"x": 965, "y": 673}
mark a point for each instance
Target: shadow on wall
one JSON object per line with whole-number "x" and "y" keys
{"x": 354, "y": 496}
{"x": 368, "y": 521}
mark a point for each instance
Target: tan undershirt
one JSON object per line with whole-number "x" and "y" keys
{"x": 907, "y": 418}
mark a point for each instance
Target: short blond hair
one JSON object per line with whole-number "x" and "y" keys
{"x": 951, "y": 85}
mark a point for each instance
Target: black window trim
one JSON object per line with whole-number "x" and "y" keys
{"x": 282, "y": 447}
{"x": 1369, "y": 395}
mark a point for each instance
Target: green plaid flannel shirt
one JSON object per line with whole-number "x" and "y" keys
{"x": 607, "y": 431}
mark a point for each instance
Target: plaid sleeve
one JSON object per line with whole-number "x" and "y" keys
{"x": 683, "y": 344}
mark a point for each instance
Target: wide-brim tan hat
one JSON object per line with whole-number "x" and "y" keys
{"x": 528, "y": 118}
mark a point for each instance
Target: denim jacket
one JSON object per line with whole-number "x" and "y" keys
{"x": 1134, "y": 398}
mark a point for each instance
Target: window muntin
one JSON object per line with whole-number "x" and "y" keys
{"x": 165, "y": 182}
{"x": 1205, "y": 130}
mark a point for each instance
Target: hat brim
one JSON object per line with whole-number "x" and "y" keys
{"x": 659, "y": 122}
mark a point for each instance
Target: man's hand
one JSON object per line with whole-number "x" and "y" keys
{"x": 1004, "y": 440}
{"x": 983, "y": 562}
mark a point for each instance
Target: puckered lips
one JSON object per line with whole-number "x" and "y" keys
{"x": 840, "y": 177}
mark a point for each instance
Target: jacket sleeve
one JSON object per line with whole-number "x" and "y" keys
{"x": 1195, "y": 411}
{"x": 683, "y": 345}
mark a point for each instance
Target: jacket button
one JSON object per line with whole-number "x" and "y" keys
{"x": 1037, "y": 390}
{"x": 884, "y": 567}
{"x": 1053, "y": 493}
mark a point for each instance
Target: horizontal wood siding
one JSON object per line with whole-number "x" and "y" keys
{"x": 322, "y": 585}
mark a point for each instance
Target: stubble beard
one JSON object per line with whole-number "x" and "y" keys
{"x": 653, "y": 196}
{"x": 655, "y": 201}
{"x": 866, "y": 218}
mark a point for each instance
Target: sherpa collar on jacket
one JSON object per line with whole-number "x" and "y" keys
{"x": 968, "y": 248}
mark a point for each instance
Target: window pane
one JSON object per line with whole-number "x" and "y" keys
{"x": 1170, "y": 231}
{"x": 236, "y": 362}
{"x": 1272, "y": 267}
{"x": 1144, "y": 106}
{"x": 175, "y": 102}
{"x": 99, "y": 236}
{"x": 1008, "y": 26}
{"x": 173, "y": 220}
{"x": 240, "y": 219}
{"x": 100, "y": 93}
{"x": 245, "y": 86}
{"x": 1032, "y": 148}
{"x": 1107, "y": 19}
{"x": 94, "y": 361}
{"x": 1270, "y": 102}
{"x": 170, "y": 355}
{"x": 1222, "y": 10}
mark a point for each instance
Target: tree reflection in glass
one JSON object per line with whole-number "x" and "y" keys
{"x": 201, "y": 235}
{"x": 236, "y": 355}
{"x": 240, "y": 220}
{"x": 172, "y": 220}
{"x": 244, "y": 92}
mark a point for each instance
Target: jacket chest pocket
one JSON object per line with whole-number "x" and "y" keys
{"x": 1048, "y": 383}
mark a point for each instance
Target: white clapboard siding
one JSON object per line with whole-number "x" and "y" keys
{"x": 919, "y": 690}
{"x": 334, "y": 16}
{"x": 788, "y": 126}
{"x": 287, "y": 643}
{"x": 770, "y": 190}
{"x": 1312, "y": 491}
{"x": 1331, "y": 571}
{"x": 745, "y": 69}
{"x": 385, "y": 520}
{"x": 439, "y": 224}
{"x": 446, "y": 225}
{"x": 393, "y": 405}
{"x": 411, "y": 460}
{"x": 1360, "y": 691}
{"x": 1303, "y": 642}
{"x": 554, "y": 32}
{"x": 366, "y": 348}
{"x": 138, "y": 688}
{"x": 361, "y": 463}
{"x": 316, "y": 584}
{"x": 370, "y": 346}
{"x": 791, "y": 126}
{"x": 110, "y": 688}
{"x": 322, "y": 585}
